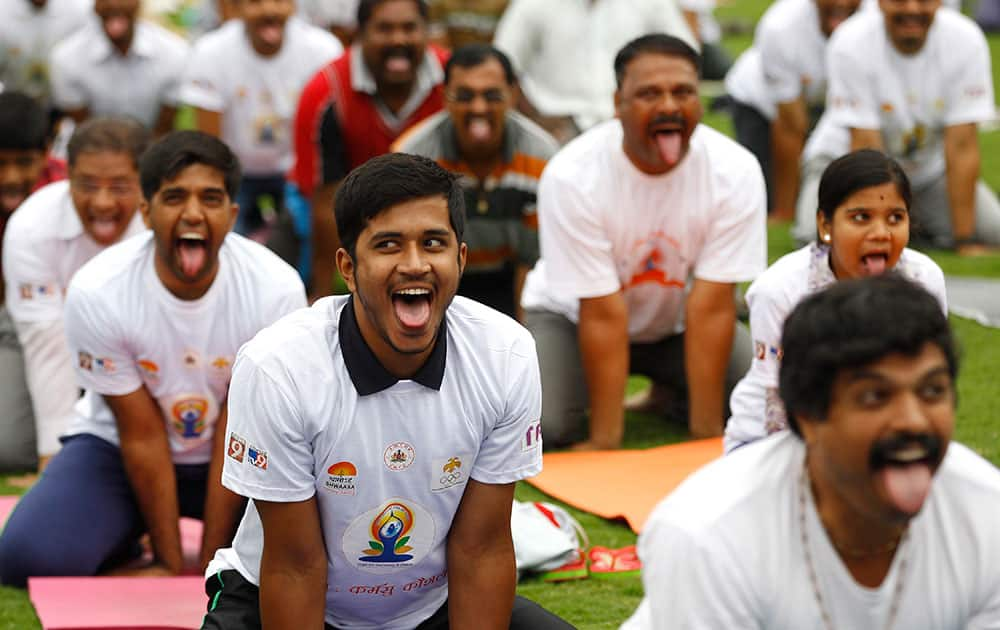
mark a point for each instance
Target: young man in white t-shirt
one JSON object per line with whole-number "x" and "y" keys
{"x": 244, "y": 81}
{"x": 914, "y": 80}
{"x": 50, "y": 236}
{"x": 633, "y": 214}
{"x": 153, "y": 325}
{"x": 119, "y": 65}
{"x": 866, "y": 515}
{"x": 779, "y": 87}
{"x": 379, "y": 435}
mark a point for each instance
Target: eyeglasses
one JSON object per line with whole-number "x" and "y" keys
{"x": 465, "y": 97}
{"x": 92, "y": 186}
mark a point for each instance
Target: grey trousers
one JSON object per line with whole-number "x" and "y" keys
{"x": 17, "y": 421}
{"x": 930, "y": 216}
{"x": 564, "y": 387}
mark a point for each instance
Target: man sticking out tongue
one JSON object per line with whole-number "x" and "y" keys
{"x": 865, "y": 514}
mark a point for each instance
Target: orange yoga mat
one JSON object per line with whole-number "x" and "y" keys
{"x": 622, "y": 484}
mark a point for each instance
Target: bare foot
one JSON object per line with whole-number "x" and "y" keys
{"x": 589, "y": 445}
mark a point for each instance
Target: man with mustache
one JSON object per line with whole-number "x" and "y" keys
{"x": 355, "y": 107}
{"x": 914, "y": 80}
{"x": 500, "y": 155}
{"x": 153, "y": 325}
{"x": 628, "y": 212}
{"x": 244, "y": 81}
{"x": 865, "y": 515}
{"x": 119, "y": 65}
{"x": 779, "y": 87}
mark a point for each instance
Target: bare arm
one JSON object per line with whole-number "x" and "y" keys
{"x": 208, "y": 121}
{"x": 788, "y": 136}
{"x": 222, "y": 506}
{"x": 691, "y": 17}
{"x": 165, "y": 121}
{"x": 710, "y": 316}
{"x": 866, "y": 139}
{"x": 603, "y": 333}
{"x": 961, "y": 155}
{"x": 481, "y": 569}
{"x": 325, "y": 241}
{"x": 293, "y": 565}
{"x": 520, "y": 273}
{"x": 150, "y": 469}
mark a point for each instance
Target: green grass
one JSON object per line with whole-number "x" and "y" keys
{"x": 603, "y": 604}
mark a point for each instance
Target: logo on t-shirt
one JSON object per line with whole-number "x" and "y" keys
{"x": 85, "y": 360}
{"x": 532, "y": 438}
{"x": 191, "y": 359}
{"x": 759, "y": 350}
{"x": 190, "y": 414}
{"x": 656, "y": 260}
{"x": 105, "y": 365}
{"x": 237, "y": 447}
{"x": 449, "y": 472}
{"x": 221, "y": 367}
{"x": 150, "y": 370}
{"x": 27, "y": 291}
{"x": 341, "y": 478}
{"x": 257, "y": 456}
{"x": 398, "y": 456}
{"x": 396, "y": 534}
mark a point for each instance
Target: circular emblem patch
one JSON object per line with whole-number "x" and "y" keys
{"x": 398, "y": 456}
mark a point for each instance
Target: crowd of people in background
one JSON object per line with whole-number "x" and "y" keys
{"x": 544, "y": 158}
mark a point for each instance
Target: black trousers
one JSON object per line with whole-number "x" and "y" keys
{"x": 234, "y": 604}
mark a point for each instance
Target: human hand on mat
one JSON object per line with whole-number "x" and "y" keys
{"x": 153, "y": 569}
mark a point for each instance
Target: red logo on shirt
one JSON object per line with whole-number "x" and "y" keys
{"x": 237, "y": 447}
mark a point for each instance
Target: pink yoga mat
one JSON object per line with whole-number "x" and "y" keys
{"x": 117, "y": 603}
{"x": 6, "y": 507}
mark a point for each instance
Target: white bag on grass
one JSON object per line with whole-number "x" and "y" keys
{"x": 545, "y": 536}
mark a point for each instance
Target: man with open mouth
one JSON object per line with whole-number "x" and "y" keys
{"x": 914, "y": 80}
{"x": 500, "y": 155}
{"x": 646, "y": 224}
{"x": 119, "y": 65}
{"x": 357, "y": 106}
{"x": 865, "y": 515}
{"x": 153, "y": 325}
{"x": 54, "y": 233}
{"x": 396, "y": 421}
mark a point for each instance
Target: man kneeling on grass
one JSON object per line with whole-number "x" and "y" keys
{"x": 379, "y": 435}
{"x": 865, "y": 515}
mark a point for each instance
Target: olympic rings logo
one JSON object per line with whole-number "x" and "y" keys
{"x": 451, "y": 479}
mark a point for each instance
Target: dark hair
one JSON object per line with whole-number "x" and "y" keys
{"x": 472, "y": 55}
{"x": 389, "y": 180}
{"x": 114, "y": 135}
{"x": 658, "y": 43}
{"x": 24, "y": 123}
{"x": 851, "y": 324}
{"x": 367, "y": 7}
{"x": 178, "y": 150}
{"x": 856, "y": 171}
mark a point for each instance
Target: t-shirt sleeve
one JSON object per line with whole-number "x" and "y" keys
{"x": 735, "y": 245}
{"x": 777, "y": 59}
{"x": 513, "y": 449}
{"x": 202, "y": 82}
{"x": 690, "y": 584}
{"x": 970, "y": 98}
{"x": 33, "y": 290}
{"x": 174, "y": 71}
{"x": 68, "y": 91}
{"x": 98, "y": 346}
{"x": 515, "y": 34}
{"x": 578, "y": 253}
{"x": 850, "y": 96}
{"x": 268, "y": 454}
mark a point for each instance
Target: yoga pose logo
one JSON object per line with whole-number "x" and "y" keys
{"x": 389, "y": 535}
{"x": 189, "y": 416}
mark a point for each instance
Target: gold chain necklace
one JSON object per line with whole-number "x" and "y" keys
{"x": 897, "y": 593}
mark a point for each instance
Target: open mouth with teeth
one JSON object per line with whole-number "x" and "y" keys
{"x": 271, "y": 31}
{"x": 905, "y": 472}
{"x": 192, "y": 253}
{"x": 875, "y": 263}
{"x": 412, "y": 307}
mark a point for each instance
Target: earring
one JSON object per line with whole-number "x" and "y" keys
{"x": 826, "y": 238}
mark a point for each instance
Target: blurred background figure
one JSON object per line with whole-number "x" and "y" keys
{"x": 455, "y": 23}
{"x": 340, "y": 17}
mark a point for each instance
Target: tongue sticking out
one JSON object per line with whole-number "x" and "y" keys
{"x": 103, "y": 229}
{"x": 192, "y": 257}
{"x": 397, "y": 63}
{"x": 874, "y": 264}
{"x": 907, "y": 485}
{"x": 669, "y": 144}
{"x": 479, "y": 129}
{"x": 116, "y": 27}
{"x": 271, "y": 34}
{"x": 413, "y": 313}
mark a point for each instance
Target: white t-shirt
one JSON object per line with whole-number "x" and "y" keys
{"x": 44, "y": 245}
{"x": 326, "y": 13}
{"x": 757, "y": 410}
{"x": 125, "y": 330}
{"x": 256, "y": 95}
{"x": 312, "y": 412}
{"x": 87, "y": 71}
{"x": 910, "y": 98}
{"x": 27, "y": 35}
{"x": 787, "y": 59}
{"x": 564, "y": 50}
{"x": 605, "y": 225}
{"x": 725, "y": 550}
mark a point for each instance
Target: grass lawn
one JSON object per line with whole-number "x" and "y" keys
{"x": 598, "y": 604}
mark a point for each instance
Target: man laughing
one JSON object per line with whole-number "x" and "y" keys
{"x": 865, "y": 515}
